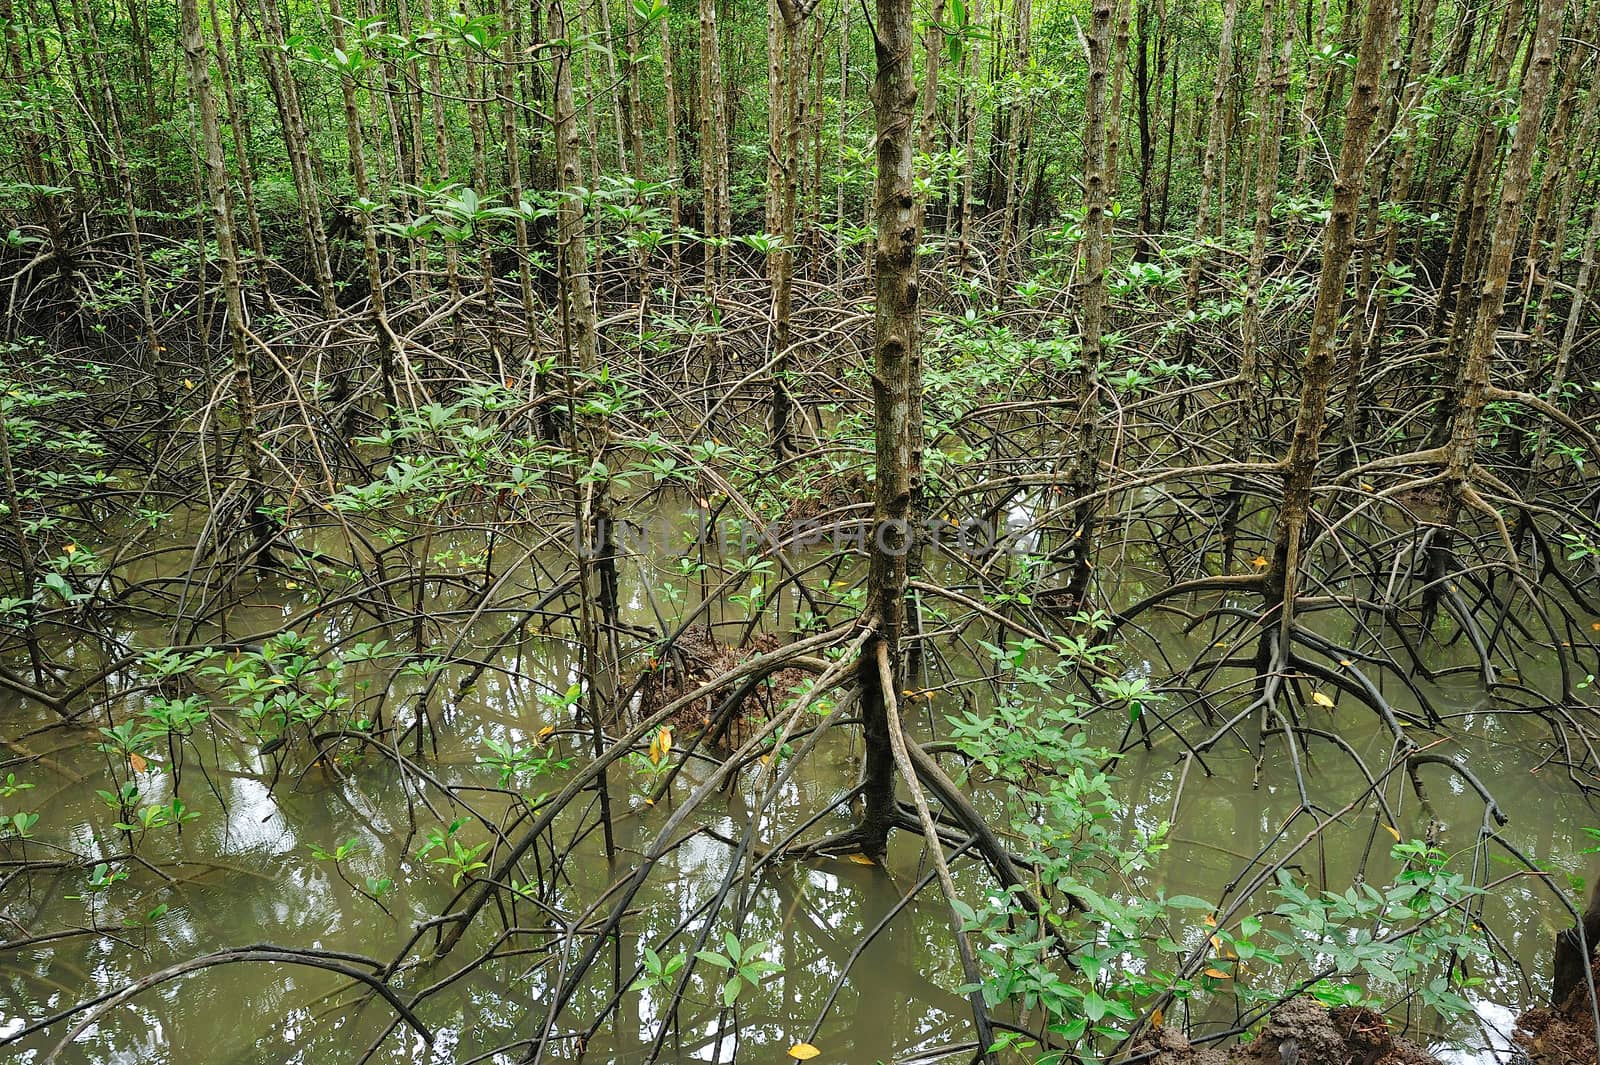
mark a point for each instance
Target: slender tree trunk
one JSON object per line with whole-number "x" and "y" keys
{"x": 1309, "y": 115}
{"x": 1587, "y": 270}
{"x": 1015, "y": 162}
{"x": 478, "y": 126}
{"x": 786, "y": 148}
{"x": 633, "y": 115}
{"x": 897, "y": 388}
{"x": 1300, "y": 466}
{"x": 1147, "y": 91}
{"x": 1461, "y": 261}
{"x": 1365, "y": 340}
{"x": 377, "y": 314}
{"x": 217, "y": 193}
{"x": 618, "y": 94}
{"x": 509, "y": 133}
{"x": 33, "y": 162}
{"x": 442, "y": 172}
{"x": 844, "y": 108}
{"x": 241, "y": 145}
{"x": 713, "y": 178}
{"x": 596, "y": 554}
{"x": 147, "y": 318}
{"x": 1544, "y": 261}
{"x": 932, "y": 57}
{"x": 1475, "y": 384}
{"x": 1271, "y": 84}
{"x": 1203, "y": 222}
{"x": 1119, "y": 72}
{"x": 669, "y": 91}
{"x": 297, "y": 142}
{"x": 777, "y": 103}
{"x": 1097, "y": 240}
{"x": 411, "y": 79}
{"x": 971, "y": 57}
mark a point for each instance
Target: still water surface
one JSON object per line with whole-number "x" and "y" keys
{"x": 243, "y": 873}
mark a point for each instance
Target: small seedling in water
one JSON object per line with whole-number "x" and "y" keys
{"x": 743, "y": 963}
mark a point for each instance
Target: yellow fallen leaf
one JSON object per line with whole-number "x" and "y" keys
{"x": 1218, "y": 973}
{"x": 188, "y": 384}
{"x": 803, "y": 1052}
{"x": 1393, "y": 832}
{"x": 862, "y": 859}
{"x": 71, "y": 549}
{"x": 138, "y": 762}
{"x": 1156, "y": 1017}
{"x": 1346, "y": 662}
{"x": 660, "y": 746}
{"x": 1595, "y": 625}
{"x": 1321, "y": 699}
{"x": 1258, "y": 562}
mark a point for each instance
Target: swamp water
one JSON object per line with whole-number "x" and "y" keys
{"x": 243, "y": 873}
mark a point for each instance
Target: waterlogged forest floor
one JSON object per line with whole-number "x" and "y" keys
{"x": 1563, "y": 1034}
{"x": 253, "y": 865}
{"x": 1299, "y": 1032}
{"x": 1305, "y": 1032}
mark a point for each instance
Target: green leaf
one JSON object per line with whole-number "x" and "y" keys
{"x": 1094, "y": 1007}
{"x": 58, "y": 584}
{"x": 1188, "y": 902}
{"x": 1072, "y": 1030}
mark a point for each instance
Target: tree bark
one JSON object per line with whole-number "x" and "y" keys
{"x": 1300, "y": 466}
{"x": 896, "y": 388}
{"x": 596, "y": 554}
{"x": 383, "y": 336}
{"x": 217, "y": 194}
{"x": 1097, "y": 238}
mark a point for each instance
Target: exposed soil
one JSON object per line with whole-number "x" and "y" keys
{"x": 1560, "y": 1035}
{"x": 829, "y": 493}
{"x": 1300, "y": 1032}
{"x": 697, "y": 657}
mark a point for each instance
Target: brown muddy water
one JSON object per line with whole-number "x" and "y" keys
{"x": 243, "y": 873}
